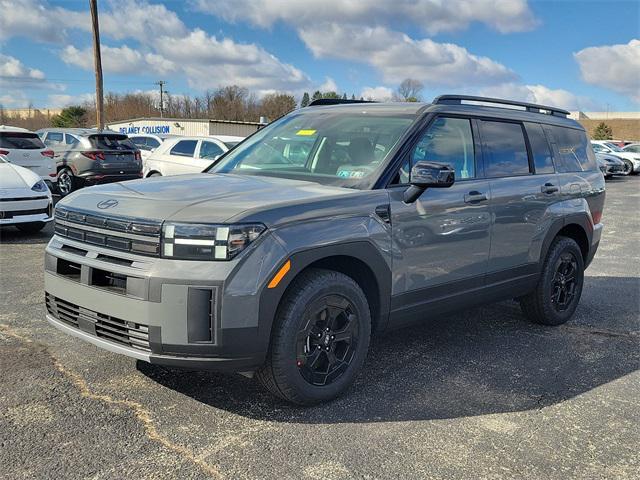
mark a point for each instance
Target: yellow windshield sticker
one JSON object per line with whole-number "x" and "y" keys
{"x": 306, "y": 133}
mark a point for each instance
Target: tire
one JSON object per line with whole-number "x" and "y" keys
{"x": 154, "y": 174}
{"x": 555, "y": 298}
{"x": 295, "y": 364}
{"x": 31, "y": 227}
{"x": 66, "y": 182}
{"x": 628, "y": 167}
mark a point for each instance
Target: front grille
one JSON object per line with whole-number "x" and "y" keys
{"x": 16, "y": 213}
{"x": 119, "y": 233}
{"x": 23, "y": 199}
{"x": 109, "y": 328}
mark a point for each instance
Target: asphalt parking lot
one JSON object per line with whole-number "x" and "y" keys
{"x": 482, "y": 394}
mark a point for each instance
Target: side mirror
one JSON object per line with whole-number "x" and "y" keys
{"x": 428, "y": 175}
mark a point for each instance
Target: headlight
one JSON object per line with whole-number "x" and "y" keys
{"x": 191, "y": 241}
{"x": 40, "y": 186}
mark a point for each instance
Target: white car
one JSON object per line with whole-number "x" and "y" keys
{"x": 631, "y": 159}
{"x": 24, "y": 148}
{"x": 25, "y": 200}
{"x": 632, "y": 147}
{"x": 181, "y": 155}
{"x": 147, "y": 143}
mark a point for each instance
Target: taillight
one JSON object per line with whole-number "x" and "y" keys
{"x": 94, "y": 155}
{"x": 137, "y": 155}
{"x": 47, "y": 153}
{"x": 4, "y": 152}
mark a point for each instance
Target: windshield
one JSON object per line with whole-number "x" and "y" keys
{"x": 329, "y": 147}
{"x": 614, "y": 147}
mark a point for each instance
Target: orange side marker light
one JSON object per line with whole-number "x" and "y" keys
{"x": 280, "y": 275}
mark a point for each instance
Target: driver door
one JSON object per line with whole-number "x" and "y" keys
{"x": 441, "y": 241}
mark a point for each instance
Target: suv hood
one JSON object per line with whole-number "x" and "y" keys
{"x": 207, "y": 198}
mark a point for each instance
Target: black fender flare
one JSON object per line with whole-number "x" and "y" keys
{"x": 580, "y": 219}
{"x": 363, "y": 250}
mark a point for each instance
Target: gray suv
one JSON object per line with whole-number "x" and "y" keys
{"x": 336, "y": 222}
{"x": 86, "y": 156}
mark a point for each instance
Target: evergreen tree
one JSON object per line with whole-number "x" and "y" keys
{"x": 603, "y": 132}
{"x": 344, "y": 96}
{"x": 70, "y": 117}
{"x": 353, "y": 96}
{"x": 305, "y": 100}
{"x": 317, "y": 95}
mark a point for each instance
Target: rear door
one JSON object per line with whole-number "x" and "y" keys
{"x": 26, "y": 150}
{"x": 441, "y": 241}
{"x": 519, "y": 164}
{"x": 179, "y": 159}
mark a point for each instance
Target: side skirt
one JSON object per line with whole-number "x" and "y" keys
{"x": 419, "y": 305}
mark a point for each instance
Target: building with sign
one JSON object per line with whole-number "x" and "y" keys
{"x": 184, "y": 126}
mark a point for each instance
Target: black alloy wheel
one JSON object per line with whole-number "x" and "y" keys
{"x": 327, "y": 343}
{"x": 564, "y": 282}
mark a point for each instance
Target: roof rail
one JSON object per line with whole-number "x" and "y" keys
{"x": 335, "y": 101}
{"x": 529, "y": 107}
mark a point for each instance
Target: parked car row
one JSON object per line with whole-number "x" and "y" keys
{"x": 624, "y": 161}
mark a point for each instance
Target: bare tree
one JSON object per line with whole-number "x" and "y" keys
{"x": 275, "y": 105}
{"x": 409, "y": 90}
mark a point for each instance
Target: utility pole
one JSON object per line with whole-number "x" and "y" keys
{"x": 97, "y": 60}
{"x": 161, "y": 83}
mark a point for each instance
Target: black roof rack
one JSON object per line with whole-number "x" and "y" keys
{"x": 335, "y": 101}
{"x": 530, "y": 107}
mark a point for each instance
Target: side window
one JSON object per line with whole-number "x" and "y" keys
{"x": 184, "y": 148}
{"x": 140, "y": 142}
{"x": 505, "y": 149}
{"x": 209, "y": 150}
{"x": 576, "y": 154}
{"x": 448, "y": 141}
{"x": 539, "y": 148}
{"x": 152, "y": 143}
{"x": 599, "y": 148}
{"x": 70, "y": 139}
{"x": 54, "y": 138}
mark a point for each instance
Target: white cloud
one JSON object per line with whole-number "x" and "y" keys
{"x": 329, "y": 85}
{"x": 380, "y": 93}
{"x": 140, "y": 20}
{"x": 432, "y": 16}
{"x": 12, "y": 68}
{"x": 63, "y": 100}
{"x": 397, "y": 56}
{"x": 38, "y": 20}
{"x": 616, "y": 67}
{"x": 118, "y": 60}
{"x": 209, "y": 62}
{"x": 540, "y": 94}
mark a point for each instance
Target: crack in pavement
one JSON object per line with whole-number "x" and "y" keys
{"x": 143, "y": 415}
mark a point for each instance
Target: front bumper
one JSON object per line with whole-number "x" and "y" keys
{"x": 26, "y": 211}
{"x": 202, "y": 315}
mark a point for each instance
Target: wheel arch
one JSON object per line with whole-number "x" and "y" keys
{"x": 577, "y": 227}
{"x": 360, "y": 260}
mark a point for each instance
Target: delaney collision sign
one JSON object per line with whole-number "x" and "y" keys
{"x": 152, "y": 129}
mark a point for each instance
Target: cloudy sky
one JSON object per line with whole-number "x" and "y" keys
{"x": 574, "y": 54}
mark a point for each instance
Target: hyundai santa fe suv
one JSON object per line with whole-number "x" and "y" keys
{"x": 338, "y": 221}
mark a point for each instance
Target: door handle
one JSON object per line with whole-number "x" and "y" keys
{"x": 549, "y": 188}
{"x": 474, "y": 197}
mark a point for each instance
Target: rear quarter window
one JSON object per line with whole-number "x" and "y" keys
{"x": 20, "y": 141}
{"x": 574, "y": 150}
{"x": 542, "y": 158}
